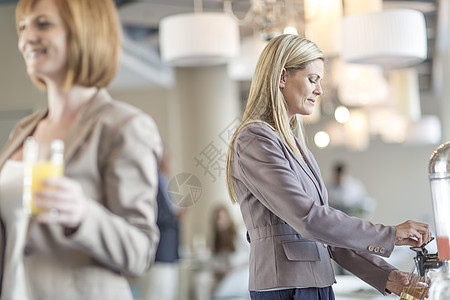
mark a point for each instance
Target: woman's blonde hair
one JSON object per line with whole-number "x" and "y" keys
{"x": 94, "y": 40}
{"x": 266, "y": 103}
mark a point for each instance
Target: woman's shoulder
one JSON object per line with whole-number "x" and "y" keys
{"x": 28, "y": 122}
{"x": 257, "y": 135}
{"x": 118, "y": 109}
{"x": 257, "y": 128}
{"x": 118, "y": 121}
{"x": 32, "y": 118}
{"x": 115, "y": 113}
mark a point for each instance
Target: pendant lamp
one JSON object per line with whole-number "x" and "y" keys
{"x": 198, "y": 39}
{"x": 390, "y": 38}
{"x": 243, "y": 66}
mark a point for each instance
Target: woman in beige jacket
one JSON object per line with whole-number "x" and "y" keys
{"x": 105, "y": 223}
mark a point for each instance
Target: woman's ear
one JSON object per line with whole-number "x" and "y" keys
{"x": 283, "y": 79}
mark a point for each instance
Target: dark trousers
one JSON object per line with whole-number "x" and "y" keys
{"x": 295, "y": 294}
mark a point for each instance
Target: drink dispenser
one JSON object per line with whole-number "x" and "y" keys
{"x": 439, "y": 175}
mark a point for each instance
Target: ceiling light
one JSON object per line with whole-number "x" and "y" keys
{"x": 290, "y": 30}
{"x": 198, "y": 39}
{"x": 243, "y": 66}
{"x": 322, "y": 20}
{"x": 321, "y": 139}
{"x": 406, "y": 92}
{"x": 342, "y": 114}
{"x": 357, "y": 130}
{"x": 391, "y": 38}
{"x": 359, "y": 85}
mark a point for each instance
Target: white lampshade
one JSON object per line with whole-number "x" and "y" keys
{"x": 391, "y": 38}
{"x": 425, "y": 131}
{"x": 357, "y": 130}
{"x": 357, "y": 6}
{"x": 243, "y": 66}
{"x": 359, "y": 84}
{"x": 198, "y": 39}
{"x": 322, "y": 18}
{"x": 405, "y": 92}
{"x": 388, "y": 124}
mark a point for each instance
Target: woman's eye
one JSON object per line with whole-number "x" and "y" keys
{"x": 42, "y": 22}
{"x": 312, "y": 81}
{"x": 43, "y": 25}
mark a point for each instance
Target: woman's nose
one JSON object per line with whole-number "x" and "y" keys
{"x": 27, "y": 35}
{"x": 318, "y": 91}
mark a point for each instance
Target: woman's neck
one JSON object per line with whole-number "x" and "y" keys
{"x": 65, "y": 103}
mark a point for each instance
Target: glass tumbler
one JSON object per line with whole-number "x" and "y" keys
{"x": 418, "y": 287}
{"x": 38, "y": 169}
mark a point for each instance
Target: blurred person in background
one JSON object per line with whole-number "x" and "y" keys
{"x": 348, "y": 193}
{"x": 161, "y": 282}
{"x": 100, "y": 219}
{"x": 271, "y": 173}
{"x": 225, "y": 274}
{"x": 230, "y": 250}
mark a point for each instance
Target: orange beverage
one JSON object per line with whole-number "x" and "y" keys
{"x": 443, "y": 245}
{"x": 418, "y": 287}
{"x": 414, "y": 293}
{"x": 41, "y": 171}
{"x": 37, "y": 170}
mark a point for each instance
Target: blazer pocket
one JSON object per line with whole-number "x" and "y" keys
{"x": 301, "y": 251}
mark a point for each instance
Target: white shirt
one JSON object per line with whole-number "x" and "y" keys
{"x": 15, "y": 220}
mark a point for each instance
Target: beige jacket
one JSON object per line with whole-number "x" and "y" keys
{"x": 293, "y": 231}
{"x": 112, "y": 150}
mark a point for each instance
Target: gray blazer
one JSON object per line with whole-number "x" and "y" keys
{"x": 293, "y": 232}
{"x": 112, "y": 150}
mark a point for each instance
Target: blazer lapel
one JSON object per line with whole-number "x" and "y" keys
{"x": 21, "y": 134}
{"x": 309, "y": 170}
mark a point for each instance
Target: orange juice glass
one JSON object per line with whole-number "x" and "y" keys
{"x": 37, "y": 170}
{"x": 40, "y": 171}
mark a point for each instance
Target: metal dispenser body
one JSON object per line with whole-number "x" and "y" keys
{"x": 439, "y": 176}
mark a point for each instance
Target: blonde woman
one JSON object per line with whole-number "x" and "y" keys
{"x": 293, "y": 233}
{"x": 105, "y": 221}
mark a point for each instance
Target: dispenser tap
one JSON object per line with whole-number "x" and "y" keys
{"x": 424, "y": 260}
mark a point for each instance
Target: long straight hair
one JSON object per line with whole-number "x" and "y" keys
{"x": 266, "y": 103}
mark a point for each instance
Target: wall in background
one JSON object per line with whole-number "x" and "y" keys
{"x": 154, "y": 102}
{"x": 17, "y": 90}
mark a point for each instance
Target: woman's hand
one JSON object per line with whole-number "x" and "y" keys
{"x": 65, "y": 201}
{"x": 397, "y": 280}
{"x": 412, "y": 233}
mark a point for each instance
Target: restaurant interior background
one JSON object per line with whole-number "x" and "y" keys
{"x": 392, "y": 114}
